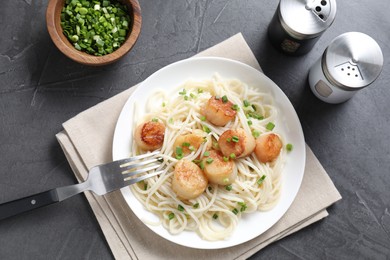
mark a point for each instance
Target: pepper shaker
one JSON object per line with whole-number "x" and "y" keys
{"x": 298, "y": 24}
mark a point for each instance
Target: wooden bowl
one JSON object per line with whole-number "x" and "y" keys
{"x": 53, "y": 19}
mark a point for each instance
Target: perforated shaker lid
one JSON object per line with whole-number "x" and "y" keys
{"x": 305, "y": 19}
{"x": 352, "y": 61}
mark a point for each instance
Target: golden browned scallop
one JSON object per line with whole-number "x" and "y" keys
{"x": 219, "y": 111}
{"x": 219, "y": 170}
{"x": 268, "y": 147}
{"x": 188, "y": 180}
{"x": 188, "y": 142}
{"x": 149, "y": 136}
{"x": 236, "y": 143}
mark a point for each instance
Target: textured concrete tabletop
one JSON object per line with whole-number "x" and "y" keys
{"x": 40, "y": 88}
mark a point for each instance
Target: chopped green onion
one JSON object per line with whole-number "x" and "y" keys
{"x": 196, "y": 205}
{"x": 200, "y": 90}
{"x": 185, "y": 144}
{"x": 183, "y": 92}
{"x": 224, "y": 99}
{"x": 255, "y": 133}
{"x": 209, "y": 160}
{"x": 74, "y": 38}
{"x": 270, "y": 126}
{"x": 95, "y": 30}
{"x": 163, "y": 104}
{"x": 206, "y": 129}
{"x": 226, "y": 158}
{"x": 235, "y": 107}
{"x": 254, "y": 107}
{"x": 185, "y": 97}
{"x": 233, "y": 156}
{"x": 215, "y": 216}
{"x": 228, "y": 187}
{"x": 201, "y": 165}
{"x": 192, "y": 95}
{"x": 243, "y": 206}
{"x": 289, "y": 147}
{"x": 170, "y": 120}
{"x": 261, "y": 179}
{"x": 235, "y": 139}
{"x": 179, "y": 153}
{"x": 83, "y": 10}
{"x": 207, "y": 153}
{"x": 191, "y": 148}
{"x": 203, "y": 118}
{"x": 154, "y": 120}
{"x": 255, "y": 116}
{"x": 180, "y": 207}
{"x": 246, "y": 103}
{"x": 249, "y": 122}
{"x": 228, "y": 140}
{"x": 171, "y": 216}
{"x": 235, "y": 211}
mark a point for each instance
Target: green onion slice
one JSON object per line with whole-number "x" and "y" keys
{"x": 261, "y": 179}
{"x": 225, "y": 99}
{"x": 270, "y": 126}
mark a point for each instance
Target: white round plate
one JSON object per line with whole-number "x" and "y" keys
{"x": 170, "y": 78}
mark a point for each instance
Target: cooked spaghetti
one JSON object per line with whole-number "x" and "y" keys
{"x": 215, "y": 213}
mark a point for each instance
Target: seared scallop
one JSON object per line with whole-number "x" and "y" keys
{"x": 219, "y": 111}
{"x": 188, "y": 180}
{"x": 236, "y": 143}
{"x": 188, "y": 142}
{"x": 219, "y": 169}
{"x": 268, "y": 147}
{"x": 149, "y": 136}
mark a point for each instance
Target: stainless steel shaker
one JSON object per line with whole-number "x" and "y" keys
{"x": 352, "y": 61}
{"x": 298, "y": 24}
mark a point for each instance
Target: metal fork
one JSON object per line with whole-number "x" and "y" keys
{"x": 102, "y": 179}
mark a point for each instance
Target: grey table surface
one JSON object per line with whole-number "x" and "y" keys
{"x": 40, "y": 88}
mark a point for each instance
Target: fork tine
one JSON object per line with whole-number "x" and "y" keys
{"x": 126, "y": 167}
{"x": 143, "y": 177}
{"x": 142, "y": 170}
{"x": 134, "y": 158}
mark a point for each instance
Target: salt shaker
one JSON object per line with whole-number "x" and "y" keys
{"x": 298, "y": 24}
{"x": 351, "y": 62}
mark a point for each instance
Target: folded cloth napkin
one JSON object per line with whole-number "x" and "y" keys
{"x": 87, "y": 141}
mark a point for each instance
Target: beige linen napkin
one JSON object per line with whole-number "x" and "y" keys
{"x": 87, "y": 141}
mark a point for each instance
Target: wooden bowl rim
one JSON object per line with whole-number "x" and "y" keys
{"x": 63, "y": 44}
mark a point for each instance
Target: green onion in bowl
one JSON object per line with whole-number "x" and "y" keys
{"x": 97, "y": 27}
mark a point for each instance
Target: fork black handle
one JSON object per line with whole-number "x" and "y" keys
{"x": 14, "y": 207}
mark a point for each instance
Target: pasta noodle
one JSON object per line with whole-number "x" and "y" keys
{"x": 214, "y": 214}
